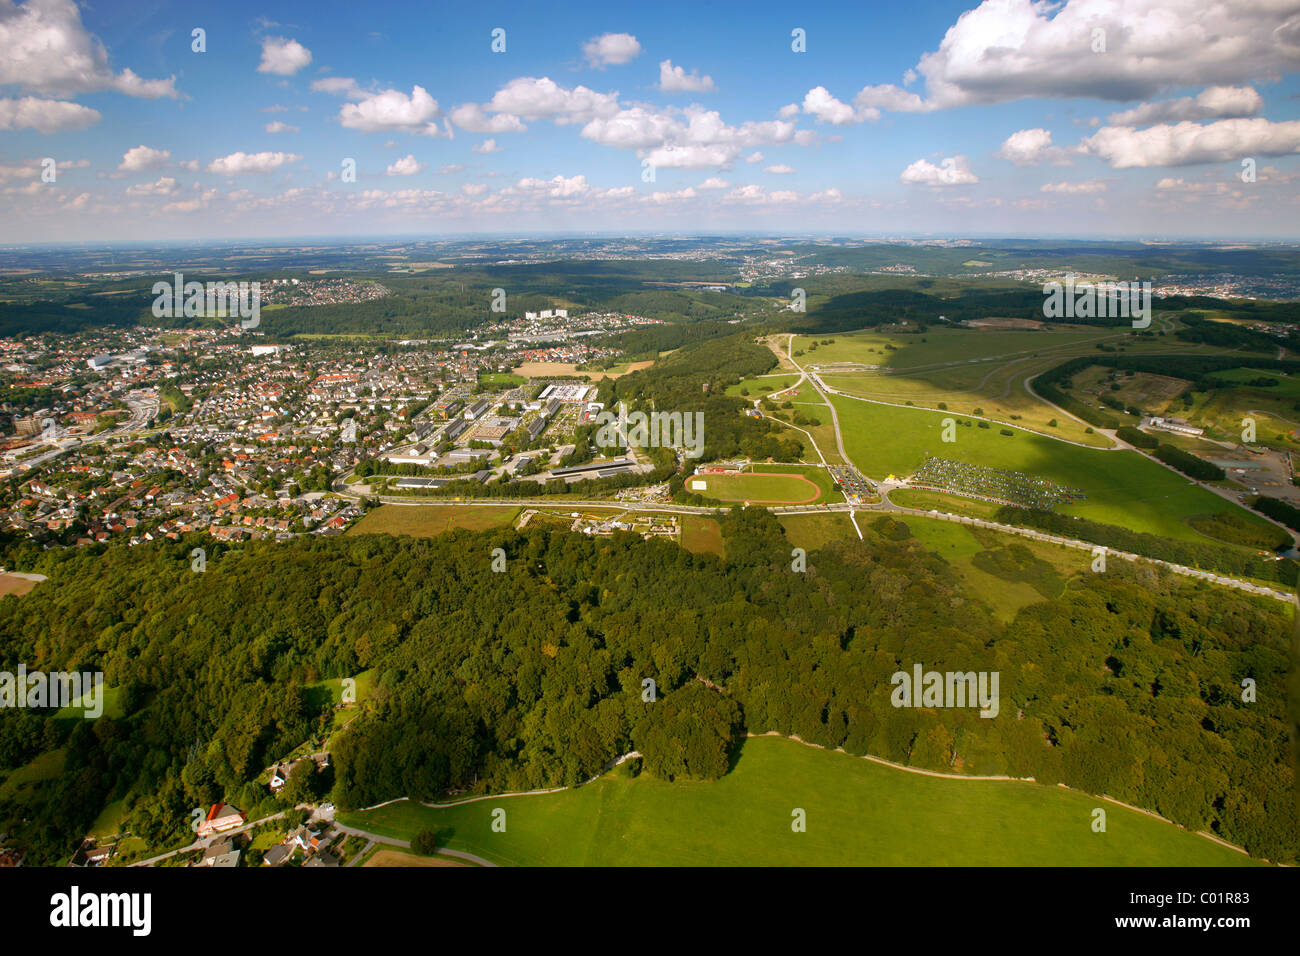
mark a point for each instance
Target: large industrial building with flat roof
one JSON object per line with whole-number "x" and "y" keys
{"x": 594, "y": 469}
{"x": 565, "y": 391}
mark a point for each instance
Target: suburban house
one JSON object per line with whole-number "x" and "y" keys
{"x": 279, "y": 777}
{"x": 221, "y": 853}
{"x": 221, "y": 817}
{"x": 278, "y": 854}
{"x": 88, "y": 854}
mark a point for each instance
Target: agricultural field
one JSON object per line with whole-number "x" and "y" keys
{"x": 858, "y": 813}
{"x": 1122, "y": 487}
{"x": 427, "y": 521}
{"x": 560, "y": 369}
{"x": 13, "y": 584}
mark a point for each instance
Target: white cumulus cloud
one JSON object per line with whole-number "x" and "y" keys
{"x": 406, "y": 166}
{"x": 139, "y": 158}
{"x": 45, "y": 116}
{"x": 952, "y": 171}
{"x": 1185, "y": 144}
{"x": 1216, "y": 102}
{"x": 283, "y": 57}
{"x": 392, "y": 110}
{"x": 45, "y": 47}
{"x": 1029, "y": 147}
{"x": 611, "y": 49}
{"x": 675, "y": 79}
{"x": 238, "y": 163}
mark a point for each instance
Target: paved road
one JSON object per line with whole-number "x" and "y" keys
{"x": 405, "y": 845}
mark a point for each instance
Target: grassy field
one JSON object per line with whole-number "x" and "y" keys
{"x": 941, "y": 346}
{"x": 758, "y": 488}
{"x": 501, "y": 379}
{"x": 1123, "y": 487}
{"x": 109, "y": 820}
{"x": 1156, "y": 394}
{"x": 1221, "y": 411}
{"x": 858, "y": 813}
{"x": 761, "y": 385}
{"x": 1288, "y": 386}
{"x": 959, "y": 545}
{"x": 330, "y": 690}
{"x": 111, "y": 700}
{"x": 44, "y": 767}
{"x": 390, "y": 856}
{"x": 427, "y": 521}
{"x": 811, "y": 531}
{"x": 973, "y": 371}
{"x": 817, "y": 475}
{"x": 701, "y": 535}
{"x": 925, "y": 500}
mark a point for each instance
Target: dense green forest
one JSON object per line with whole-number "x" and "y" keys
{"x": 692, "y": 379}
{"x": 1129, "y": 684}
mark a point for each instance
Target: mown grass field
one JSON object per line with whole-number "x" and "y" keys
{"x": 427, "y": 521}
{"x": 758, "y": 488}
{"x": 1123, "y": 487}
{"x": 817, "y": 475}
{"x": 858, "y": 814}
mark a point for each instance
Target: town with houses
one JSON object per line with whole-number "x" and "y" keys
{"x": 134, "y": 434}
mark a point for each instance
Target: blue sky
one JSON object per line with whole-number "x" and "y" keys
{"x": 1006, "y": 117}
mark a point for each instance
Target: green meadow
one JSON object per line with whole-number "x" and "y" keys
{"x": 858, "y": 813}
{"x": 941, "y": 346}
{"x": 761, "y": 385}
{"x": 1122, "y": 487}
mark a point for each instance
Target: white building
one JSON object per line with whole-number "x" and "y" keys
{"x": 1181, "y": 428}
